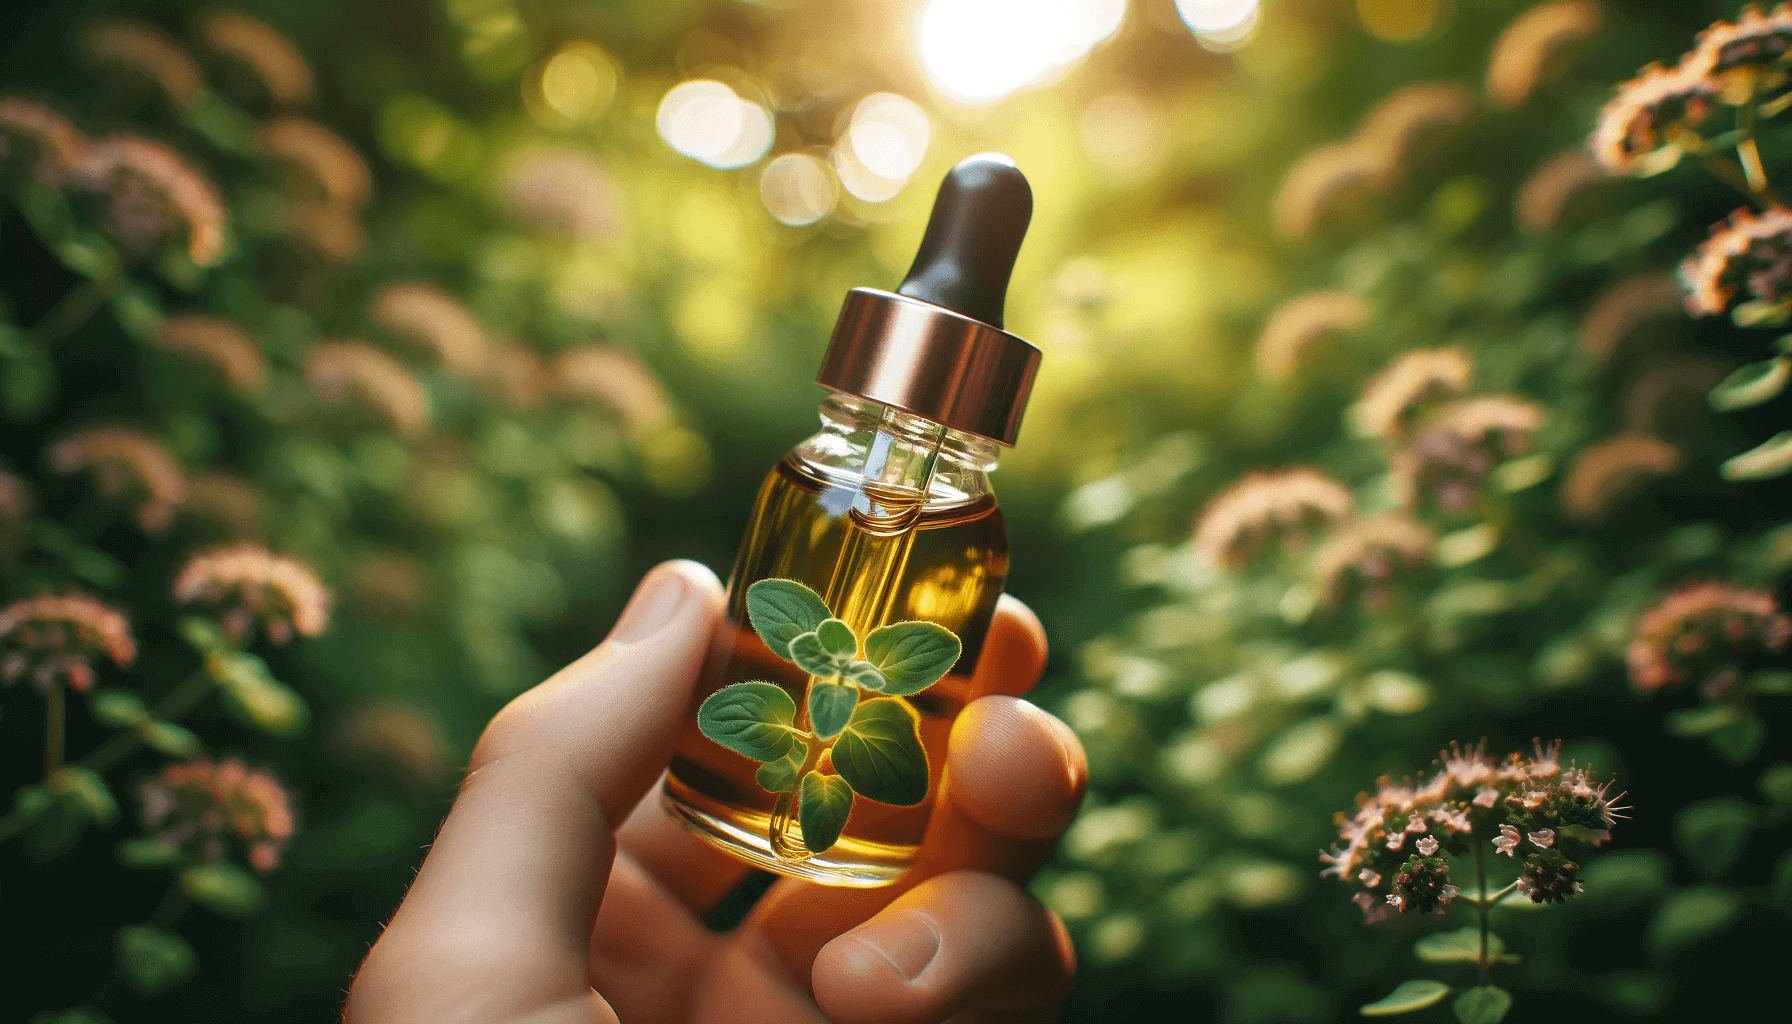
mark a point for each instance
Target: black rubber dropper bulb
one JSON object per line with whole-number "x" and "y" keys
{"x": 978, "y": 223}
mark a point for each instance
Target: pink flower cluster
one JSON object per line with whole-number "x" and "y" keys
{"x": 52, "y": 637}
{"x": 194, "y": 804}
{"x": 255, "y": 584}
{"x": 1391, "y": 846}
{"x": 1703, "y": 630}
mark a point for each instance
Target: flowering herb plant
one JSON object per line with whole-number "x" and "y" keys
{"x": 1401, "y": 844}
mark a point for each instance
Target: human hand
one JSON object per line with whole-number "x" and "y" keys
{"x": 532, "y": 904}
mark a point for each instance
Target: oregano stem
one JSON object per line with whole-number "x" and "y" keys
{"x": 784, "y": 813}
{"x": 55, "y": 728}
{"x": 177, "y": 703}
{"x": 1481, "y": 913}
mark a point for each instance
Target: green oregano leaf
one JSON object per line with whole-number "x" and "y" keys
{"x": 224, "y": 888}
{"x": 754, "y": 719}
{"x": 168, "y": 738}
{"x": 810, "y": 656}
{"x": 1752, "y": 384}
{"x": 116, "y": 708}
{"x": 1460, "y": 946}
{"x": 879, "y": 753}
{"x": 780, "y": 776}
{"x": 912, "y": 655}
{"x": 782, "y": 610}
{"x": 826, "y": 802}
{"x": 863, "y": 674}
{"x": 154, "y": 959}
{"x": 830, "y": 707}
{"x": 1410, "y": 996}
{"x": 838, "y": 639}
{"x": 1485, "y": 1004}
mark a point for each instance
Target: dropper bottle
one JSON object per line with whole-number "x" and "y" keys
{"x": 871, "y": 566}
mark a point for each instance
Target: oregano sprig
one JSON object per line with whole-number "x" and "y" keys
{"x": 853, "y": 709}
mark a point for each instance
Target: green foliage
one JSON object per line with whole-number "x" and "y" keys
{"x": 1712, "y": 832}
{"x": 1484, "y": 1004}
{"x": 1692, "y": 915}
{"x": 154, "y": 959}
{"x": 1410, "y": 996}
{"x": 875, "y": 743}
{"x": 1460, "y": 946}
{"x": 224, "y": 888}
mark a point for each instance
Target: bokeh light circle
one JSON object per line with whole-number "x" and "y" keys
{"x": 797, "y": 189}
{"x": 701, "y": 119}
{"x": 889, "y": 135}
{"x": 579, "y": 82}
{"x": 1220, "y": 16}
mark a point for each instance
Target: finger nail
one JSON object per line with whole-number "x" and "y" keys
{"x": 907, "y": 939}
{"x": 655, "y": 602}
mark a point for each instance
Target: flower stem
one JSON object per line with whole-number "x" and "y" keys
{"x": 70, "y": 312}
{"x": 55, "y": 728}
{"x": 784, "y": 814}
{"x": 1481, "y": 905}
{"x": 179, "y": 701}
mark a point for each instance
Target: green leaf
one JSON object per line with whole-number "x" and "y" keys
{"x": 1460, "y": 946}
{"x": 1625, "y": 875}
{"x": 826, "y": 801}
{"x": 1770, "y": 682}
{"x": 879, "y": 753}
{"x": 752, "y": 719}
{"x": 1689, "y": 915}
{"x": 88, "y": 791}
{"x": 1482, "y": 1005}
{"x": 255, "y": 696}
{"x": 1771, "y": 458}
{"x": 780, "y": 776}
{"x": 1776, "y": 784}
{"x": 153, "y": 959}
{"x": 27, "y": 387}
{"x": 912, "y": 655}
{"x": 1703, "y": 720}
{"x": 810, "y": 656}
{"x": 73, "y": 1015}
{"x": 1752, "y": 384}
{"x": 116, "y": 708}
{"x": 168, "y": 738}
{"x": 863, "y": 674}
{"x": 203, "y": 634}
{"x": 782, "y": 610}
{"x": 838, "y": 639}
{"x": 1410, "y": 996}
{"x": 1738, "y": 742}
{"x": 830, "y": 708}
{"x": 225, "y": 888}
{"x": 1711, "y": 833}
{"x": 147, "y": 852}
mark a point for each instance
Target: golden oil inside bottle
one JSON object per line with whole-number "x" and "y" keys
{"x": 876, "y": 556}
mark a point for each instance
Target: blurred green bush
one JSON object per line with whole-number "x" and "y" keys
{"x": 451, "y": 304}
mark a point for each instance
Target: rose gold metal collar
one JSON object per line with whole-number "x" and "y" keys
{"x": 928, "y": 360}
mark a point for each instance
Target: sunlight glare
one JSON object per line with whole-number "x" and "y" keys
{"x": 977, "y": 51}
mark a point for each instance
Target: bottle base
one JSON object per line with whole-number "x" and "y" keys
{"x": 849, "y": 863}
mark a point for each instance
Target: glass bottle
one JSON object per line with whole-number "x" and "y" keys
{"x": 869, "y": 574}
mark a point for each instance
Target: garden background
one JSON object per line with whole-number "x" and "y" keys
{"x": 508, "y": 311}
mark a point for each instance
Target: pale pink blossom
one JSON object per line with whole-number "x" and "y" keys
{"x": 1426, "y": 846}
{"x": 1542, "y": 839}
{"x": 1507, "y": 841}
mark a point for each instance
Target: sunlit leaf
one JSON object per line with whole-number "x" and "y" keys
{"x": 825, "y": 802}
{"x": 225, "y": 888}
{"x": 879, "y": 753}
{"x": 1410, "y": 996}
{"x": 780, "y": 776}
{"x": 1771, "y": 458}
{"x": 1460, "y": 946}
{"x": 1752, "y": 384}
{"x": 782, "y": 610}
{"x": 1484, "y": 1004}
{"x": 912, "y": 655}
{"x": 837, "y": 639}
{"x": 830, "y": 707}
{"x": 752, "y": 719}
{"x": 116, "y": 708}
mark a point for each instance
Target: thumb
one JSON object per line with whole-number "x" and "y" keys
{"x": 501, "y": 913}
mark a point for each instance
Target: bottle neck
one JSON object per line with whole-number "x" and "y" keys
{"x": 894, "y": 460}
